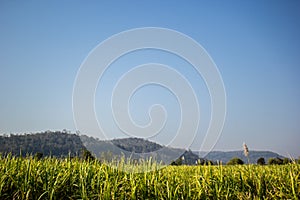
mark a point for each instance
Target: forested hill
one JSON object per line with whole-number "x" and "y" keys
{"x": 48, "y": 143}
{"x": 63, "y": 143}
{"x": 137, "y": 145}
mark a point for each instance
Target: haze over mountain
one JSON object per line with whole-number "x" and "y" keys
{"x": 225, "y": 156}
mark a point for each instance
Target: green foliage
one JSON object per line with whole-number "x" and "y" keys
{"x": 87, "y": 155}
{"x": 176, "y": 162}
{"x": 275, "y": 161}
{"x": 261, "y": 161}
{"x": 38, "y": 155}
{"x": 51, "y": 178}
{"x": 206, "y": 162}
{"x": 136, "y": 145}
{"x": 235, "y": 161}
{"x": 286, "y": 161}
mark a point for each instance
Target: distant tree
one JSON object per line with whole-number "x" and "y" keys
{"x": 176, "y": 162}
{"x": 38, "y": 155}
{"x": 87, "y": 155}
{"x": 235, "y": 161}
{"x": 275, "y": 161}
{"x": 261, "y": 161}
{"x": 279, "y": 161}
{"x": 208, "y": 162}
{"x": 286, "y": 161}
{"x": 202, "y": 161}
{"x": 272, "y": 161}
{"x": 179, "y": 161}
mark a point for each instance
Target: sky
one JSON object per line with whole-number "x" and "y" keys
{"x": 254, "y": 44}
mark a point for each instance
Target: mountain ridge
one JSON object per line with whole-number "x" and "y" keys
{"x": 62, "y": 143}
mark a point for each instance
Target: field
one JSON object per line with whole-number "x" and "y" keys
{"x": 50, "y": 178}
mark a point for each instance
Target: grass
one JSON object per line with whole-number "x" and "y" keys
{"x": 50, "y": 178}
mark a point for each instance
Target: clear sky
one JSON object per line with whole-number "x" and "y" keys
{"x": 255, "y": 45}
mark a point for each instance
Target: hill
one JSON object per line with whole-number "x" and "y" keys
{"x": 133, "y": 148}
{"x": 48, "y": 143}
{"x": 137, "y": 145}
{"x": 63, "y": 144}
{"x": 225, "y": 156}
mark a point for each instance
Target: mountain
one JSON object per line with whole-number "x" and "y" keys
{"x": 133, "y": 148}
{"x": 225, "y": 156}
{"x": 137, "y": 145}
{"x": 63, "y": 144}
{"x": 48, "y": 143}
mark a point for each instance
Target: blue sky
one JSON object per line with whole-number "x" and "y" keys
{"x": 255, "y": 45}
